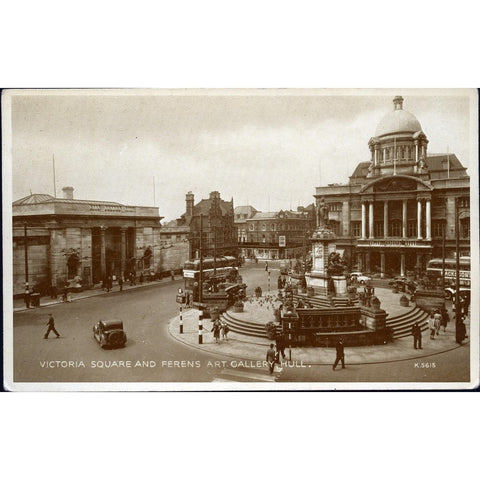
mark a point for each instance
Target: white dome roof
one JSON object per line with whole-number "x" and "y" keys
{"x": 398, "y": 121}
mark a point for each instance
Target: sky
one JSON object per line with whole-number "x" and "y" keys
{"x": 265, "y": 148}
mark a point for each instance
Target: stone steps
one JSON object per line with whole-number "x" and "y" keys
{"x": 401, "y": 324}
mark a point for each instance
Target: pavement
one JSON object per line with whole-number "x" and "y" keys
{"x": 19, "y": 304}
{"x": 254, "y": 348}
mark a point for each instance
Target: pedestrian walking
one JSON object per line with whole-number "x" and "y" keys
{"x": 437, "y": 317}
{"x": 431, "y": 325}
{"x": 225, "y": 330}
{"x": 216, "y": 330}
{"x": 280, "y": 345}
{"x": 266, "y": 266}
{"x": 340, "y": 354}
{"x": 120, "y": 282}
{"x": 51, "y": 327}
{"x": 445, "y": 319}
{"x": 417, "y": 336}
{"x": 172, "y": 274}
{"x": 271, "y": 358}
{"x": 461, "y": 333}
{"x": 26, "y": 298}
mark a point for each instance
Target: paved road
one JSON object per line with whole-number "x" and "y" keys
{"x": 151, "y": 354}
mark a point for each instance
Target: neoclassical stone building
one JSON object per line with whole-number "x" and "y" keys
{"x": 391, "y": 216}
{"x": 68, "y": 238}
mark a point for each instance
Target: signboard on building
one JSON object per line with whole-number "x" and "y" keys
{"x": 282, "y": 241}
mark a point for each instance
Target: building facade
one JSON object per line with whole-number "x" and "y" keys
{"x": 56, "y": 240}
{"x": 211, "y": 226}
{"x": 242, "y": 214}
{"x": 279, "y": 235}
{"x": 174, "y": 247}
{"x": 393, "y": 214}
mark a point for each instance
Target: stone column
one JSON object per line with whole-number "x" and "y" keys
{"x": 428, "y": 219}
{"x": 419, "y": 219}
{"x": 370, "y": 220}
{"x": 364, "y": 221}
{"x": 419, "y": 261}
{"x": 404, "y": 219}
{"x": 416, "y": 151}
{"x": 367, "y": 261}
{"x": 103, "y": 263}
{"x": 123, "y": 249}
{"x": 382, "y": 264}
{"x": 376, "y": 157}
{"x": 385, "y": 218}
{"x": 402, "y": 264}
{"x": 359, "y": 261}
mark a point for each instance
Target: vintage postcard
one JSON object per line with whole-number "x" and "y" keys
{"x": 208, "y": 240}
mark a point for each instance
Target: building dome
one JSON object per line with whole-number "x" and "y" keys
{"x": 398, "y": 121}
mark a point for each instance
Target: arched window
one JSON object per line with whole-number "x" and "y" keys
{"x": 465, "y": 227}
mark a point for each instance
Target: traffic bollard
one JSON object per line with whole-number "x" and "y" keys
{"x": 200, "y": 328}
{"x": 181, "y": 320}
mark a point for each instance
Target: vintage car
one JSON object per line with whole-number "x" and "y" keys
{"x": 464, "y": 294}
{"x": 360, "y": 277}
{"x": 109, "y": 333}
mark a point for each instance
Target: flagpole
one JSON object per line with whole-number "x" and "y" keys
{"x": 154, "y": 191}
{"x": 448, "y": 162}
{"x": 54, "y": 187}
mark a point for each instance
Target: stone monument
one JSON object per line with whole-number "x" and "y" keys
{"x": 323, "y": 244}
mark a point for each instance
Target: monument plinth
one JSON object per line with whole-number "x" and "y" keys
{"x": 323, "y": 245}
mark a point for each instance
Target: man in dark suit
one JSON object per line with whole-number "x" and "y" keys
{"x": 340, "y": 354}
{"x": 51, "y": 326}
{"x": 417, "y": 336}
{"x": 271, "y": 358}
{"x": 280, "y": 346}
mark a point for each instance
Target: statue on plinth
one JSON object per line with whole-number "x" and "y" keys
{"x": 322, "y": 215}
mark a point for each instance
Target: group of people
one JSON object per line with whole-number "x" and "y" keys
{"x": 220, "y": 329}
{"x": 436, "y": 321}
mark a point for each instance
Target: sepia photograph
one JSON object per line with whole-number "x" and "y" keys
{"x": 240, "y": 239}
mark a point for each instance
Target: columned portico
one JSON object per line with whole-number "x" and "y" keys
{"x": 419, "y": 219}
{"x": 103, "y": 260}
{"x": 123, "y": 249}
{"x": 428, "y": 219}
{"x": 385, "y": 218}
{"x": 370, "y": 220}
{"x": 402, "y": 264}
{"x": 364, "y": 220}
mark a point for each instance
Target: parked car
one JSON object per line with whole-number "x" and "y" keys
{"x": 464, "y": 294}
{"x": 109, "y": 333}
{"x": 360, "y": 277}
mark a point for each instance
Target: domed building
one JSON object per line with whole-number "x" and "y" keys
{"x": 391, "y": 216}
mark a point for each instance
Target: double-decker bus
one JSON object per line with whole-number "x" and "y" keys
{"x": 436, "y": 265}
{"x": 215, "y": 271}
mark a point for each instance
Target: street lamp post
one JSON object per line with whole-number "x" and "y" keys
{"x": 459, "y": 327}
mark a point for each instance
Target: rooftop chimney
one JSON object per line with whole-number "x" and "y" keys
{"x": 68, "y": 193}
{"x": 189, "y": 199}
{"x": 214, "y": 195}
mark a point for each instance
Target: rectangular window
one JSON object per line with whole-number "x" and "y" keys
{"x": 411, "y": 228}
{"x": 438, "y": 228}
{"x": 356, "y": 229}
{"x": 378, "y": 229}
